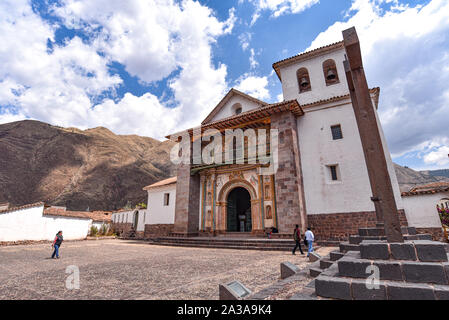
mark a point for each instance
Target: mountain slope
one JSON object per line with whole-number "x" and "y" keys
{"x": 93, "y": 169}
{"x": 408, "y": 178}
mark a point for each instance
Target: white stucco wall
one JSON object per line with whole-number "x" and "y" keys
{"x": 128, "y": 217}
{"x": 318, "y": 150}
{"x": 31, "y": 224}
{"x": 227, "y": 111}
{"x": 157, "y": 213}
{"x": 421, "y": 211}
{"x": 320, "y": 91}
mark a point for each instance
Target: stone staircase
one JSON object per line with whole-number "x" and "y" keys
{"x": 417, "y": 269}
{"x": 227, "y": 243}
{"x": 371, "y": 234}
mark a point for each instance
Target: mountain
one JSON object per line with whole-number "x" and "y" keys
{"x": 80, "y": 169}
{"x": 408, "y": 178}
{"x": 437, "y": 173}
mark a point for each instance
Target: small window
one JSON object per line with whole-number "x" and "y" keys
{"x": 166, "y": 199}
{"x": 237, "y": 108}
{"x": 333, "y": 171}
{"x": 336, "y": 132}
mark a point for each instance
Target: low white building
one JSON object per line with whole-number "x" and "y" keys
{"x": 160, "y": 217}
{"x": 127, "y": 221}
{"x": 420, "y": 205}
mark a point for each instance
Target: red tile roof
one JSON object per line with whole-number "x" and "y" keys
{"x": 161, "y": 183}
{"x": 306, "y": 55}
{"x": 96, "y": 216}
{"x": 429, "y": 188}
{"x": 10, "y": 209}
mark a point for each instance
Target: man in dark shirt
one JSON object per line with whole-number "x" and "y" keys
{"x": 56, "y": 244}
{"x": 297, "y": 238}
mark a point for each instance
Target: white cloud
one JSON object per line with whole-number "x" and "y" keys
{"x": 406, "y": 53}
{"x": 245, "y": 39}
{"x": 254, "y": 86}
{"x": 252, "y": 60}
{"x": 154, "y": 40}
{"x": 439, "y": 157}
{"x": 280, "y": 7}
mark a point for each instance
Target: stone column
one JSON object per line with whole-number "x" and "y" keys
{"x": 383, "y": 196}
{"x": 187, "y": 206}
{"x": 290, "y": 203}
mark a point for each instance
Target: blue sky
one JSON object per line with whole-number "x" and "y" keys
{"x": 152, "y": 67}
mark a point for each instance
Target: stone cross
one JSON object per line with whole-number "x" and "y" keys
{"x": 383, "y": 196}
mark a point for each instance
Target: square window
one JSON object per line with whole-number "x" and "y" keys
{"x": 166, "y": 199}
{"x": 336, "y": 132}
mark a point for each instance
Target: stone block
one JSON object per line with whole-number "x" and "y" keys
{"x": 425, "y": 236}
{"x": 324, "y": 264}
{"x": 331, "y": 287}
{"x": 375, "y": 250}
{"x": 315, "y": 272}
{"x": 332, "y": 271}
{"x": 360, "y": 291}
{"x": 233, "y": 291}
{"x": 424, "y": 272}
{"x": 353, "y": 268}
{"x": 407, "y": 291}
{"x": 389, "y": 270}
{"x": 430, "y": 251}
{"x": 288, "y": 269}
{"x": 355, "y": 239}
{"x": 441, "y": 292}
{"x": 335, "y": 255}
{"x": 314, "y": 257}
{"x": 403, "y": 251}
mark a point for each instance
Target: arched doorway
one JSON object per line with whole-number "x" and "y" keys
{"x": 239, "y": 210}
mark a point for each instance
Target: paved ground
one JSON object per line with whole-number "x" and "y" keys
{"x": 115, "y": 269}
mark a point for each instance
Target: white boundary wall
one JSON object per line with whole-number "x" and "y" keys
{"x": 421, "y": 211}
{"x": 31, "y": 224}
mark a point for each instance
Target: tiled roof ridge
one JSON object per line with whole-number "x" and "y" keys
{"x": 162, "y": 183}
{"x": 307, "y": 54}
{"x": 26, "y": 206}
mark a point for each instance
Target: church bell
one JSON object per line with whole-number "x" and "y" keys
{"x": 331, "y": 75}
{"x": 304, "y": 82}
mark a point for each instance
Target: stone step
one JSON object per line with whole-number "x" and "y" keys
{"x": 371, "y": 232}
{"x": 346, "y": 246}
{"x": 214, "y": 246}
{"x": 229, "y": 242}
{"x": 422, "y": 250}
{"x": 408, "y": 230}
{"x": 358, "y": 239}
{"x": 324, "y": 263}
{"x": 357, "y": 289}
{"x": 315, "y": 272}
{"x": 409, "y": 271}
{"x": 336, "y": 255}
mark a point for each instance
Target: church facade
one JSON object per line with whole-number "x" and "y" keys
{"x": 320, "y": 179}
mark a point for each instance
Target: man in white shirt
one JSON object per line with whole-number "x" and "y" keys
{"x": 309, "y": 238}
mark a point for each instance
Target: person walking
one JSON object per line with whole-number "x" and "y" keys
{"x": 57, "y": 244}
{"x": 297, "y": 238}
{"x": 309, "y": 237}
